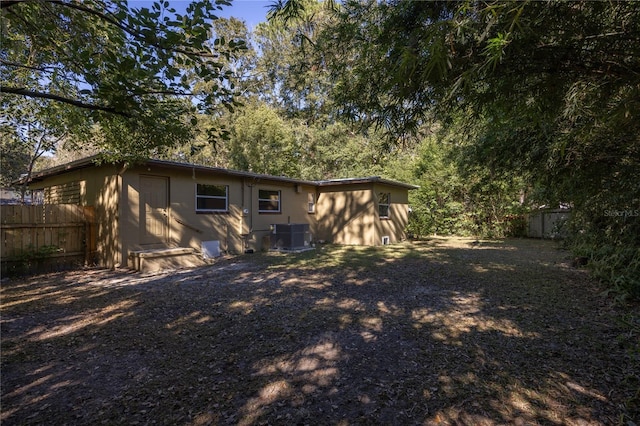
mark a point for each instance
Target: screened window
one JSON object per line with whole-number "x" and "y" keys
{"x": 212, "y": 198}
{"x": 311, "y": 204}
{"x": 383, "y": 204}
{"x": 268, "y": 201}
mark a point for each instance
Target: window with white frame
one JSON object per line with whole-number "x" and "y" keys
{"x": 311, "y": 203}
{"x": 212, "y": 198}
{"x": 268, "y": 201}
{"x": 383, "y": 204}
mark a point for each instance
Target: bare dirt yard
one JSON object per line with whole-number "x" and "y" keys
{"x": 445, "y": 331}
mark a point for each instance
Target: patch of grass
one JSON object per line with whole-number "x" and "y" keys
{"x": 336, "y": 256}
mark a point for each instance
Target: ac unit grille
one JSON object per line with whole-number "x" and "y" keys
{"x": 291, "y": 236}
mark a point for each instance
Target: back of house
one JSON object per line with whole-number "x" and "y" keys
{"x": 160, "y": 205}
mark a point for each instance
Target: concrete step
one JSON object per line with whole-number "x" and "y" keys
{"x": 164, "y": 258}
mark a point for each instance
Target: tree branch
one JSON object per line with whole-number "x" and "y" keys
{"x": 131, "y": 31}
{"x": 32, "y": 94}
{"x": 16, "y": 65}
{"x": 6, "y": 4}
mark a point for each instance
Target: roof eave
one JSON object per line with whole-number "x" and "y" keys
{"x": 229, "y": 172}
{"x": 370, "y": 179}
{"x": 56, "y": 170}
{"x": 91, "y": 161}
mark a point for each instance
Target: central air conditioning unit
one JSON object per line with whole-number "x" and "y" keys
{"x": 291, "y": 237}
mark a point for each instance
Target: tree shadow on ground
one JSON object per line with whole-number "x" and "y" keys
{"x": 437, "y": 332}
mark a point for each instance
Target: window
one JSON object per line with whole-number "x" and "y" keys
{"x": 268, "y": 201}
{"x": 311, "y": 203}
{"x": 211, "y": 198}
{"x": 383, "y": 204}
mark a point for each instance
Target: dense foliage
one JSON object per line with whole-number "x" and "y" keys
{"x": 459, "y": 199}
{"x": 130, "y": 71}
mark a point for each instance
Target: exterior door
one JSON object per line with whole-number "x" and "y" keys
{"x": 154, "y": 206}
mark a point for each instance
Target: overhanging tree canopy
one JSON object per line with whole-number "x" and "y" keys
{"x": 133, "y": 70}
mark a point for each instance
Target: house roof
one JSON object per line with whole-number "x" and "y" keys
{"x": 369, "y": 179}
{"x": 228, "y": 172}
{"x": 91, "y": 162}
{"x": 57, "y": 170}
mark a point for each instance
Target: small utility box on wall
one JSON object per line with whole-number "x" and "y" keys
{"x": 291, "y": 237}
{"x": 210, "y": 249}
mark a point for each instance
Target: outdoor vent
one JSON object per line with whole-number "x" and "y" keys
{"x": 291, "y": 236}
{"x": 385, "y": 240}
{"x": 210, "y": 249}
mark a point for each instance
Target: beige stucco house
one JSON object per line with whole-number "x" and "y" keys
{"x": 167, "y": 205}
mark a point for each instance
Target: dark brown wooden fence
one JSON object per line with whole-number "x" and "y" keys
{"x": 46, "y": 238}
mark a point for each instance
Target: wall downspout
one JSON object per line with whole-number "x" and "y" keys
{"x": 250, "y": 209}
{"x": 116, "y": 234}
{"x": 249, "y": 213}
